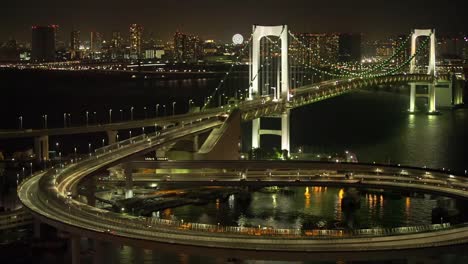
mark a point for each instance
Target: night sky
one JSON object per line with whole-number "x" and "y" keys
{"x": 220, "y": 19}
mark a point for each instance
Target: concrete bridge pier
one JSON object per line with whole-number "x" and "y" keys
{"x": 36, "y": 228}
{"x": 284, "y": 133}
{"x": 41, "y": 148}
{"x": 111, "y": 136}
{"x": 90, "y": 191}
{"x": 98, "y": 256}
{"x": 75, "y": 248}
{"x": 430, "y": 95}
{"x": 196, "y": 145}
{"x": 285, "y": 127}
{"x": 128, "y": 182}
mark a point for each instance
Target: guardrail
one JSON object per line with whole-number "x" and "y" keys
{"x": 75, "y": 213}
{"x": 15, "y": 219}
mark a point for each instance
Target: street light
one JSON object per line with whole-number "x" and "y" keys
{"x": 69, "y": 120}
{"x": 64, "y": 119}
{"x": 110, "y": 115}
{"x": 131, "y": 112}
{"x": 190, "y": 101}
{"x": 87, "y": 118}
{"x": 121, "y": 115}
{"x": 45, "y": 121}
{"x": 75, "y": 149}
{"x": 146, "y": 113}
{"x": 157, "y": 110}
{"x": 164, "y": 106}
{"x": 173, "y": 108}
{"x": 89, "y": 148}
{"x": 21, "y": 122}
{"x": 95, "y": 118}
{"x": 103, "y": 142}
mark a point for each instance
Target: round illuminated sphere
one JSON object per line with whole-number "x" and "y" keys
{"x": 237, "y": 39}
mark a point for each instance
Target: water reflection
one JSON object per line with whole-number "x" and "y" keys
{"x": 311, "y": 207}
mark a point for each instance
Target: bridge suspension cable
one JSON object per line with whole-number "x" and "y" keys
{"x": 365, "y": 73}
{"x": 227, "y": 74}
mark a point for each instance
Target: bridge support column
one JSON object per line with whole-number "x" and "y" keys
{"x": 37, "y": 228}
{"x": 128, "y": 182}
{"x": 90, "y": 191}
{"x": 75, "y": 241}
{"x": 196, "y": 145}
{"x": 98, "y": 252}
{"x": 256, "y": 133}
{"x": 432, "y": 98}
{"x": 111, "y": 136}
{"x": 41, "y": 148}
{"x": 412, "y": 97}
{"x": 285, "y": 127}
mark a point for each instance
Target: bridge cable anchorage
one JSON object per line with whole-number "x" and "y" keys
{"x": 226, "y": 75}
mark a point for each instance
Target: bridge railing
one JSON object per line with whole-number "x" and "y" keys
{"x": 15, "y": 219}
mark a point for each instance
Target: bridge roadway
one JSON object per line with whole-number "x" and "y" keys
{"x": 250, "y": 109}
{"x": 45, "y": 195}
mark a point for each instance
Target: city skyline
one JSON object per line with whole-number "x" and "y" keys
{"x": 213, "y": 20}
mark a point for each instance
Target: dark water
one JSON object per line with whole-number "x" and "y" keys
{"x": 373, "y": 124}
{"x": 310, "y": 207}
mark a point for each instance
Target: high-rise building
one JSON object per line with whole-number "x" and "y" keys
{"x": 43, "y": 43}
{"x": 95, "y": 42}
{"x": 323, "y": 47}
{"x": 75, "y": 44}
{"x": 116, "y": 41}
{"x": 404, "y": 53}
{"x": 349, "y": 48}
{"x": 136, "y": 33}
{"x": 187, "y": 48}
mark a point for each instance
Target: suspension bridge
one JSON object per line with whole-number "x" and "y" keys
{"x": 284, "y": 73}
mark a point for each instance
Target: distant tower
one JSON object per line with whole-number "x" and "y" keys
{"x": 75, "y": 44}
{"x": 43, "y": 43}
{"x": 136, "y": 32}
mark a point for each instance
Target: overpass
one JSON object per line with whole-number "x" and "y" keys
{"x": 49, "y": 194}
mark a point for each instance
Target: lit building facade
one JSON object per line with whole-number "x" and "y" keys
{"x": 187, "y": 48}
{"x": 136, "y": 34}
{"x": 75, "y": 44}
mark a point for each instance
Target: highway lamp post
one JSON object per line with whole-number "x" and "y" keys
{"x": 164, "y": 107}
{"x": 146, "y": 113}
{"x": 103, "y": 143}
{"x": 130, "y": 136}
{"x": 87, "y": 118}
{"x": 89, "y": 148}
{"x": 110, "y": 116}
{"x": 23, "y": 173}
{"x": 157, "y": 110}
{"x": 64, "y": 120}
{"x": 131, "y": 113}
{"x": 173, "y": 108}
{"x": 190, "y": 101}
{"x": 20, "y": 122}
{"x": 75, "y": 149}
{"x": 143, "y": 130}
{"x": 69, "y": 120}
{"x": 45, "y": 121}
{"x": 117, "y": 140}
{"x": 121, "y": 115}
{"x": 95, "y": 118}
